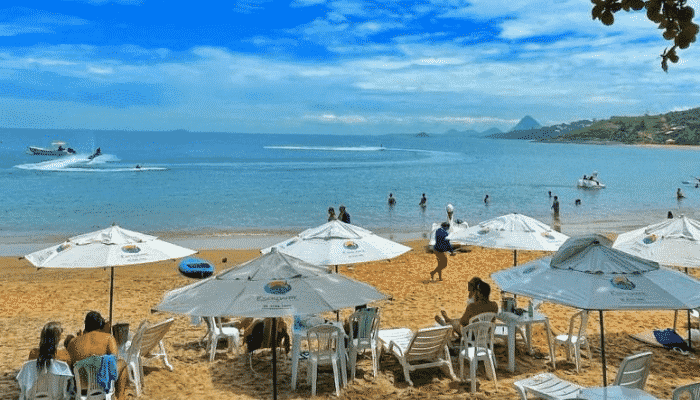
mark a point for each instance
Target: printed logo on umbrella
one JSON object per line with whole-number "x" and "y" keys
{"x": 622, "y": 282}
{"x": 131, "y": 249}
{"x": 350, "y": 245}
{"x": 278, "y": 287}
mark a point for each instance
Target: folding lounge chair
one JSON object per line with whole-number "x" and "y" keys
{"x": 143, "y": 345}
{"x": 633, "y": 373}
{"x": 687, "y": 392}
{"x": 426, "y": 348}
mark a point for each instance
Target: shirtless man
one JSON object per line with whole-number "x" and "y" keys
{"x": 94, "y": 342}
{"x": 478, "y": 302}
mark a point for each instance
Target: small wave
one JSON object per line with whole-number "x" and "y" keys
{"x": 82, "y": 163}
{"x": 326, "y": 148}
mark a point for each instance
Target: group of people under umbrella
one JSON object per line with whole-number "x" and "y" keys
{"x": 293, "y": 278}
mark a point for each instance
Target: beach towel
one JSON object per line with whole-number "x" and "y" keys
{"x": 106, "y": 369}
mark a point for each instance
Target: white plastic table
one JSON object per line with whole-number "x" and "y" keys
{"x": 615, "y": 393}
{"x": 513, "y": 321}
{"x": 299, "y": 334}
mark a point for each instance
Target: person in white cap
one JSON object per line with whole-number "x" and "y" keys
{"x": 450, "y": 214}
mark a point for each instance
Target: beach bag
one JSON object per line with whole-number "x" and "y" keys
{"x": 670, "y": 339}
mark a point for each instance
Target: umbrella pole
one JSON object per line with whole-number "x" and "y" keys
{"x": 111, "y": 296}
{"x": 690, "y": 341}
{"x": 274, "y": 358}
{"x": 515, "y": 258}
{"x": 602, "y": 349}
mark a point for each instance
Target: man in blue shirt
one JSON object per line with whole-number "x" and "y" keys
{"x": 441, "y": 246}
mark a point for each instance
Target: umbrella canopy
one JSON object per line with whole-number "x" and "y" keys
{"x": 673, "y": 242}
{"x": 511, "y": 231}
{"x": 272, "y": 285}
{"x": 111, "y": 247}
{"x": 337, "y": 243}
{"x": 587, "y": 273}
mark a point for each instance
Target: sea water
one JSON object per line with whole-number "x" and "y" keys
{"x": 226, "y": 182}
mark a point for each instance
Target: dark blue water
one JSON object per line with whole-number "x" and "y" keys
{"x": 201, "y": 182}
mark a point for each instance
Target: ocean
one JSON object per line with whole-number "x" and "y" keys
{"x": 228, "y": 183}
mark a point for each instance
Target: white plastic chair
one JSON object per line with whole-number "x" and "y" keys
{"x": 86, "y": 372}
{"x": 634, "y": 371}
{"x": 575, "y": 338}
{"x": 477, "y": 345}
{"x": 547, "y": 386}
{"x": 687, "y": 392}
{"x": 367, "y": 323}
{"x": 501, "y": 330}
{"x": 426, "y": 348}
{"x": 324, "y": 341}
{"x": 218, "y": 331}
{"x": 48, "y": 384}
{"x": 142, "y": 346}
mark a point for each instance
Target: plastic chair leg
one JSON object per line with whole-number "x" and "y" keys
{"x": 472, "y": 373}
{"x": 336, "y": 373}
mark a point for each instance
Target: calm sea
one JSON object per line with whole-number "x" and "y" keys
{"x": 214, "y": 182}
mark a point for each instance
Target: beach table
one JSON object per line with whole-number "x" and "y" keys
{"x": 614, "y": 393}
{"x": 513, "y": 321}
{"x": 299, "y": 334}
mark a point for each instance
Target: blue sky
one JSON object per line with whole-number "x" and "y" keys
{"x": 315, "y": 66}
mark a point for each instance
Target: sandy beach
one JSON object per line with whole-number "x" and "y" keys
{"x": 30, "y": 298}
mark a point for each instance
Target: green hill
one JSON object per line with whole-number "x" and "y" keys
{"x": 679, "y": 127}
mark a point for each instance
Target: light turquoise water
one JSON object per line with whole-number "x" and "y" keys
{"x": 203, "y": 182}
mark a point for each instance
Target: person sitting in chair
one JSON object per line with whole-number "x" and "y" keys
{"x": 93, "y": 341}
{"x": 478, "y": 302}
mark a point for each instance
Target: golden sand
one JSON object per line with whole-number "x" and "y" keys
{"x": 30, "y": 298}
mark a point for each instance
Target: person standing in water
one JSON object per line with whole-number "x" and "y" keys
{"x": 423, "y": 201}
{"x": 679, "y": 194}
{"x": 392, "y": 200}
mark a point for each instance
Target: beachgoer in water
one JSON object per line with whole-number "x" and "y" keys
{"x": 486, "y": 199}
{"x": 423, "y": 201}
{"x": 550, "y": 194}
{"x": 392, "y": 200}
{"x": 331, "y": 214}
{"x": 478, "y": 302}
{"x": 555, "y": 207}
{"x": 343, "y": 216}
{"x": 670, "y": 215}
{"x": 441, "y": 246}
{"x": 138, "y": 166}
{"x": 679, "y": 194}
{"x": 577, "y": 202}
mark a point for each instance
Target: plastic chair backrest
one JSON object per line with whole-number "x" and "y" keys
{"x": 86, "y": 373}
{"x": 580, "y": 333}
{"x": 634, "y": 371}
{"x": 153, "y": 334}
{"x": 50, "y": 383}
{"x": 687, "y": 392}
{"x": 135, "y": 346}
{"x": 483, "y": 317}
{"x": 323, "y": 340}
{"x": 367, "y": 323}
{"x": 478, "y": 335}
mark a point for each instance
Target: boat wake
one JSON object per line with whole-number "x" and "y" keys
{"x": 326, "y": 148}
{"x": 83, "y": 163}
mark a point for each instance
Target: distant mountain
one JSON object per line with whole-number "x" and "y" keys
{"x": 455, "y": 132}
{"x": 543, "y": 133}
{"x": 526, "y": 124}
{"x": 422, "y": 134}
{"x": 491, "y": 131}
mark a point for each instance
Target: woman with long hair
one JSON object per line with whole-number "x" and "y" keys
{"x": 48, "y": 344}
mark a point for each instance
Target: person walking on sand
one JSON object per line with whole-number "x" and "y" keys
{"x": 442, "y": 245}
{"x": 343, "y": 216}
{"x": 423, "y": 201}
{"x": 392, "y": 200}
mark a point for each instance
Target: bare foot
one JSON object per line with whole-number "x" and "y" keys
{"x": 444, "y": 315}
{"x": 432, "y": 274}
{"x": 440, "y": 320}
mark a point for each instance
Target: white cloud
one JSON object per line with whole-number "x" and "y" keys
{"x": 334, "y": 119}
{"x": 99, "y": 70}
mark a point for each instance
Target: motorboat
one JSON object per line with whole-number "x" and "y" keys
{"x": 57, "y": 149}
{"x": 590, "y": 182}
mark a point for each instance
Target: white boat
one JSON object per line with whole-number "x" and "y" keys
{"x": 590, "y": 182}
{"x": 56, "y": 149}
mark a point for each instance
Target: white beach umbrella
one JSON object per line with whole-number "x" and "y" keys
{"x": 587, "y": 273}
{"x": 271, "y": 286}
{"x": 111, "y": 247}
{"x": 511, "y": 231}
{"x": 338, "y": 243}
{"x": 672, "y": 242}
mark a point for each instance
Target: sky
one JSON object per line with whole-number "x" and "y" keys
{"x": 331, "y": 67}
